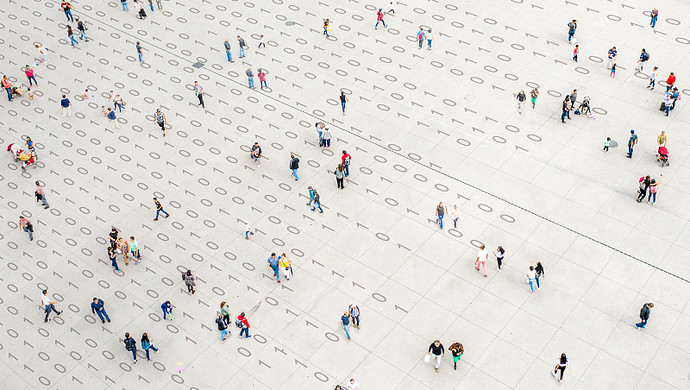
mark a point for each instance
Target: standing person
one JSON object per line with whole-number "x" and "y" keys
{"x": 670, "y": 81}
{"x": 262, "y": 42}
{"x": 227, "y": 50}
{"x": 520, "y": 98}
{"x": 147, "y": 344}
{"x": 379, "y": 19}
{"x": 613, "y": 70}
{"x": 160, "y": 119}
{"x": 48, "y": 305}
{"x": 225, "y": 312}
{"x": 317, "y": 202}
{"x": 70, "y": 35}
{"x": 345, "y": 161}
{"x": 631, "y": 143}
{"x": 607, "y": 143}
{"x": 134, "y": 248}
{"x": 339, "y": 176}
{"x": 566, "y": 109}
{"x": 499, "y": 254}
{"x": 576, "y": 51}
{"x": 113, "y": 236}
{"x": 273, "y": 266}
{"x": 612, "y": 54}
{"x": 326, "y": 22}
{"x": 456, "y": 215}
{"x": 130, "y": 343}
{"x": 243, "y": 324}
{"x": 189, "y": 281}
{"x": 441, "y": 211}
{"x": 560, "y": 366}
{"x": 437, "y": 351}
{"x": 8, "y": 87}
{"x": 159, "y": 4}
{"x": 286, "y": 265}
{"x": 573, "y": 98}
{"x": 345, "y": 323}
{"x": 482, "y": 257}
{"x": 661, "y": 139}
{"x": 644, "y": 315}
{"x": 571, "y": 29}
{"x": 98, "y": 307}
{"x": 82, "y": 30}
{"x": 262, "y": 78}
{"x": 652, "y": 78}
{"x": 123, "y": 246}
{"x": 294, "y": 165}
{"x": 539, "y": 273}
{"x": 67, "y": 9}
{"x": 40, "y": 195}
{"x": 654, "y": 15}
{"x": 222, "y": 327}
{"x": 151, "y": 5}
{"x": 343, "y": 100}
{"x": 112, "y": 118}
{"x": 312, "y": 195}
{"x": 159, "y": 209}
{"x": 112, "y": 254}
{"x": 140, "y": 52}
{"x": 534, "y": 94}
{"x": 429, "y": 38}
{"x": 125, "y": 7}
{"x": 421, "y": 35}
{"x": 653, "y": 188}
{"x": 25, "y": 224}
{"x": 531, "y": 276}
{"x": 456, "y": 350}
{"x": 326, "y": 135}
{"x": 199, "y": 92}
{"x": 242, "y": 45}
{"x": 353, "y": 385}
{"x": 644, "y": 57}
{"x": 247, "y": 230}
{"x": 250, "y": 78}
{"x": 256, "y": 154}
{"x": 645, "y": 182}
{"x": 29, "y": 72}
{"x": 167, "y": 309}
{"x": 354, "y": 314}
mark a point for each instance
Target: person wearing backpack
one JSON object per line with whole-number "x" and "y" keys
{"x": 147, "y": 344}
{"x": 242, "y": 323}
{"x": 294, "y": 165}
{"x": 421, "y": 35}
{"x": 644, "y": 57}
{"x": 317, "y": 202}
{"x": 346, "y": 163}
{"x": 131, "y": 345}
{"x": 571, "y": 29}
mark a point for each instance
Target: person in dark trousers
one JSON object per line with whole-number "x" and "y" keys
{"x": 112, "y": 255}
{"x": 227, "y": 50}
{"x": 82, "y": 30}
{"x": 560, "y": 366}
{"x": 345, "y": 323}
{"x": 500, "y": 254}
{"x": 354, "y": 314}
{"x": 199, "y": 92}
{"x": 25, "y": 224}
{"x": 631, "y": 143}
{"x": 294, "y": 165}
{"x": 312, "y": 194}
{"x": 345, "y": 160}
{"x": 339, "y": 176}
{"x": 456, "y": 350}
{"x": 160, "y": 119}
{"x": 189, "y": 280}
{"x": 317, "y": 202}
{"x": 159, "y": 209}
{"x": 566, "y": 109}
{"x": 539, "y": 272}
{"x": 437, "y": 352}
{"x": 644, "y": 315}
{"x": 167, "y": 310}
{"x": 114, "y": 235}
{"x": 40, "y": 195}
{"x": 97, "y": 307}
{"x": 131, "y": 345}
{"x": 48, "y": 305}
{"x": 343, "y": 100}
{"x": 644, "y": 186}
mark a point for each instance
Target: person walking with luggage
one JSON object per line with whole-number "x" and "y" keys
{"x": 632, "y": 141}
{"x": 644, "y": 315}
{"x": 520, "y": 98}
{"x": 482, "y": 257}
{"x": 250, "y": 78}
{"x": 147, "y": 345}
{"x": 40, "y": 195}
{"x": 379, "y": 19}
{"x": 539, "y": 273}
{"x": 436, "y": 351}
{"x": 339, "y": 176}
{"x": 354, "y": 314}
{"x": 222, "y": 327}
{"x": 243, "y": 324}
{"x": 160, "y": 119}
{"x": 131, "y": 345}
{"x": 294, "y": 165}
{"x": 572, "y": 26}
{"x": 273, "y": 265}
{"x": 199, "y": 92}
{"x": 456, "y": 350}
{"x": 27, "y": 226}
{"x": 167, "y": 309}
{"x": 125, "y": 7}
{"x": 159, "y": 209}
{"x": 242, "y": 45}
{"x": 226, "y": 44}
{"x": 345, "y": 161}
{"x": 48, "y": 305}
{"x": 343, "y": 100}
{"x": 345, "y": 323}
{"x": 98, "y": 307}
{"x": 500, "y": 253}
{"x": 654, "y": 16}
{"x": 441, "y": 211}
{"x": 189, "y": 281}
{"x": 286, "y": 265}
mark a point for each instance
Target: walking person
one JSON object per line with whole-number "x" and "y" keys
{"x": 421, "y": 35}
{"x": 482, "y": 257}
{"x": 437, "y": 352}
{"x": 573, "y": 98}
{"x": 242, "y": 323}
{"x": 247, "y": 230}
{"x": 27, "y": 226}
{"x": 456, "y": 215}
{"x": 160, "y": 119}
{"x": 167, "y": 309}
{"x": 654, "y": 16}
{"x": 294, "y": 165}
{"x": 343, "y": 100}
{"x": 354, "y": 314}
{"x": 326, "y": 24}
{"x": 456, "y": 350}
{"x": 112, "y": 255}
{"x": 500, "y": 253}
{"x": 147, "y": 345}
{"x": 652, "y": 78}
{"x": 576, "y": 51}
{"x": 189, "y": 281}
{"x": 250, "y": 78}
{"x": 98, "y": 307}
{"x": 113, "y": 236}
{"x": 429, "y": 38}
{"x": 29, "y": 72}
{"x": 345, "y": 323}
{"x": 199, "y": 92}
{"x": 312, "y": 195}
{"x": 67, "y": 9}
{"x": 262, "y": 42}
{"x": 345, "y": 161}
{"x": 531, "y": 278}
{"x": 520, "y": 99}
{"x": 222, "y": 327}
{"x": 645, "y": 182}
{"x": 125, "y": 7}
{"x": 441, "y": 211}
{"x": 225, "y": 312}
{"x": 286, "y": 265}
{"x": 379, "y": 19}
{"x": 159, "y": 4}
{"x": 262, "y": 78}
{"x": 353, "y": 385}
{"x": 607, "y": 144}
{"x": 339, "y": 176}
{"x": 140, "y": 52}
{"x": 273, "y": 265}
{"x": 644, "y": 57}
{"x": 159, "y": 209}
{"x": 8, "y": 87}
{"x": 40, "y": 195}
{"x": 539, "y": 273}
{"x": 48, "y": 305}
{"x": 317, "y": 202}
{"x": 572, "y": 26}
{"x": 242, "y": 45}
{"x": 613, "y": 70}
{"x": 112, "y": 119}
{"x": 134, "y": 248}
{"x": 560, "y": 366}
{"x": 81, "y": 27}
{"x": 256, "y": 154}
{"x": 612, "y": 54}
{"x": 70, "y": 35}
{"x": 131, "y": 345}
{"x": 227, "y": 50}
{"x": 670, "y": 81}
{"x": 653, "y": 188}
{"x": 118, "y": 103}
{"x": 644, "y": 315}
{"x": 632, "y": 141}
{"x": 534, "y": 94}
{"x": 151, "y": 5}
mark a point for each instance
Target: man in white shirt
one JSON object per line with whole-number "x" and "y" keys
{"x": 48, "y": 305}
{"x": 482, "y": 257}
{"x": 353, "y": 385}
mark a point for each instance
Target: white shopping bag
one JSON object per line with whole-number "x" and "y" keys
{"x": 427, "y": 358}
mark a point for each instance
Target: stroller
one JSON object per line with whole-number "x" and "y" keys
{"x": 15, "y": 151}
{"x": 27, "y": 159}
{"x": 662, "y": 156}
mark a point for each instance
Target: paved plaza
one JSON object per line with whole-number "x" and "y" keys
{"x": 422, "y": 126}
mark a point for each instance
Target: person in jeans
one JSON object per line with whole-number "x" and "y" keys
{"x": 273, "y": 265}
{"x": 499, "y": 254}
{"x": 97, "y": 307}
{"x": 242, "y": 44}
{"x": 40, "y": 195}
{"x": 343, "y": 100}
{"x": 653, "y": 188}
{"x": 531, "y": 276}
{"x": 437, "y": 351}
{"x": 571, "y": 29}
{"x": 167, "y": 309}
{"x": 294, "y": 165}
{"x": 317, "y": 202}
{"x": 82, "y": 30}
{"x": 242, "y": 320}
{"x": 262, "y": 79}
{"x": 226, "y": 44}
{"x": 250, "y": 78}
{"x": 70, "y": 35}
{"x": 354, "y": 314}
{"x": 67, "y": 9}
{"x": 631, "y": 143}
{"x": 539, "y": 273}
{"x": 131, "y": 344}
{"x": 159, "y": 209}
{"x": 48, "y": 305}
{"x": 312, "y": 195}
{"x": 644, "y": 315}
{"x": 29, "y": 72}
{"x": 345, "y": 323}
{"x": 441, "y": 210}
{"x": 654, "y": 16}
{"x": 346, "y": 158}
{"x": 147, "y": 344}
{"x": 140, "y": 53}
{"x": 652, "y": 78}
{"x": 222, "y": 327}
{"x": 25, "y": 224}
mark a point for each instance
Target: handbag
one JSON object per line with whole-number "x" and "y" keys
{"x": 427, "y": 358}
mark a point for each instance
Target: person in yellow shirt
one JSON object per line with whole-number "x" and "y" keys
{"x": 286, "y": 265}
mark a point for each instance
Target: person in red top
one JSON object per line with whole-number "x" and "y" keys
{"x": 242, "y": 320}
{"x": 346, "y": 163}
{"x": 8, "y": 87}
{"x": 670, "y": 81}
{"x": 25, "y": 224}
{"x": 379, "y": 19}
{"x": 30, "y": 75}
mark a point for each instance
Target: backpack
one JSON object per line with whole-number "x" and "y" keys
{"x": 239, "y": 323}
{"x": 646, "y": 56}
{"x": 129, "y": 344}
{"x": 421, "y": 35}
{"x": 346, "y": 161}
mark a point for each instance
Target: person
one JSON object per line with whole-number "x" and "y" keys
{"x": 576, "y": 51}
{"x": 571, "y": 29}
{"x": 25, "y": 224}
{"x": 247, "y": 230}
{"x": 243, "y": 324}
{"x": 29, "y": 72}
{"x": 670, "y": 81}
{"x": 262, "y": 79}
{"x": 534, "y": 94}
{"x": 584, "y": 108}
{"x": 573, "y": 98}
{"x": 118, "y": 103}
{"x": 441, "y": 210}
{"x": 159, "y": 209}
{"x": 653, "y": 188}
{"x": 429, "y": 38}
{"x": 456, "y": 215}
{"x": 262, "y": 42}
{"x": 112, "y": 254}
{"x": 421, "y": 35}
{"x": 294, "y": 166}
{"x": 612, "y": 54}
{"x": 112, "y": 119}
{"x": 199, "y": 92}
{"x": 140, "y": 52}
{"x": 131, "y": 345}
{"x": 250, "y": 78}
{"x": 141, "y": 11}
{"x": 167, "y": 309}
{"x": 339, "y": 176}
{"x": 114, "y": 235}
{"x": 222, "y": 327}
{"x": 256, "y": 154}
{"x": 345, "y": 160}
{"x": 345, "y": 323}
{"x": 482, "y": 257}
{"x": 531, "y": 275}
{"x": 125, "y": 7}
{"x": 661, "y": 139}
{"x": 652, "y": 78}
{"x": 645, "y": 182}
{"x": 607, "y": 143}
{"x": 285, "y": 264}
{"x": 379, "y": 19}
{"x": 354, "y": 314}
{"x": 97, "y": 307}
{"x": 225, "y": 312}
{"x": 456, "y": 350}
{"x": 67, "y": 9}
{"x": 147, "y": 344}
{"x": 539, "y": 273}
{"x": 326, "y": 22}
{"x": 160, "y": 119}
{"x": 189, "y": 280}
{"x": 560, "y": 366}
{"x": 654, "y": 15}
{"x": 499, "y": 254}
{"x": 66, "y": 106}
{"x": 8, "y": 87}
{"x": 631, "y": 143}
{"x": 644, "y": 57}
{"x": 353, "y": 385}
{"x": 48, "y": 305}
{"x": 40, "y": 195}
{"x": 273, "y": 265}
{"x": 312, "y": 194}
{"x": 644, "y": 315}
{"x": 242, "y": 44}
{"x": 123, "y": 247}
{"x": 82, "y": 30}
{"x": 317, "y": 202}
{"x": 226, "y": 44}
{"x": 566, "y": 109}
{"x": 437, "y": 351}
{"x": 343, "y": 100}
{"x": 520, "y": 98}
{"x": 134, "y": 248}
{"x": 613, "y": 70}
{"x": 326, "y": 136}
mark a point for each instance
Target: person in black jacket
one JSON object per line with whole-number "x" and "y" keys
{"x": 436, "y": 349}
{"x": 294, "y": 165}
{"x": 644, "y": 315}
{"x": 131, "y": 345}
{"x": 222, "y": 327}
{"x": 566, "y": 109}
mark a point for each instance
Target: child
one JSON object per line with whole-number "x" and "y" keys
{"x": 247, "y": 230}
{"x": 575, "y": 52}
{"x": 613, "y": 70}
{"x": 607, "y": 143}
{"x": 85, "y": 95}
{"x": 104, "y": 112}
{"x": 30, "y": 93}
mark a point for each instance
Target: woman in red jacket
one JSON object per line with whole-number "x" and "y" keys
{"x": 670, "y": 81}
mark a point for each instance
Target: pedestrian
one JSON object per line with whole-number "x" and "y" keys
{"x": 339, "y": 176}
{"x": 273, "y": 266}
{"x": 343, "y": 100}
{"x": 456, "y": 350}
{"x": 576, "y": 51}
{"x": 123, "y": 247}
{"x": 147, "y": 344}
{"x": 43, "y": 55}
{"x": 631, "y": 143}
{"x": 82, "y": 30}
{"x": 125, "y": 7}
{"x": 112, "y": 255}
{"x": 30, "y": 144}
{"x": 612, "y": 54}
{"x": 114, "y": 235}
{"x": 159, "y": 4}
{"x": 167, "y": 309}
{"x": 141, "y": 12}
{"x": 225, "y": 312}
{"x": 482, "y": 257}
{"x": 456, "y": 215}
{"x": 653, "y": 188}
{"x": 262, "y": 42}
{"x": 441, "y": 211}
{"x": 29, "y": 72}
{"x": 250, "y": 78}
{"x": 130, "y": 343}
{"x": 98, "y": 307}
{"x": 644, "y": 315}
{"x": 222, "y": 327}
{"x": 571, "y": 29}
{"x": 429, "y": 38}
{"x": 25, "y": 224}
{"x": 670, "y": 81}
{"x": 437, "y": 352}
{"x": 242, "y": 45}
{"x": 48, "y": 305}
{"x": 326, "y": 23}
{"x": 140, "y": 51}
{"x": 294, "y": 165}
{"x": 531, "y": 278}
{"x": 189, "y": 280}
{"x": 354, "y": 314}
{"x": 675, "y": 95}
{"x": 151, "y": 5}
{"x": 112, "y": 119}
{"x": 40, "y": 195}
{"x": 118, "y": 103}
{"x": 520, "y": 99}
{"x": 534, "y": 94}
{"x": 654, "y": 15}
{"x": 560, "y": 366}
{"x": 500, "y": 253}
{"x": 661, "y": 139}
{"x": 539, "y": 273}
{"x": 573, "y": 98}
{"x": 199, "y": 92}
{"x": 607, "y": 143}
{"x": 134, "y": 248}
{"x": 645, "y": 182}
{"x": 345, "y": 323}
{"x": 391, "y": 11}
{"x": 8, "y": 87}
{"x": 613, "y": 70}
{"x": 353, "y": 385}
{"x": 379, "y": 19}
{"x": 421, "y": 35}
{"x": 159, "y": 209}
{"x": 566, "y": 109}
{"x": 247, "y": 230}
{"x": 286, "y": 265}
{"x": 312, "y": 195}
{"x": 345, "y": 161}
{"x": 256, "y": 154}
{"x": 644, "y": 57}
{"x": 262, "y": 78}
{"x": 227, "y": 50}
{"x": 326, "y": 135}
{"x": 67, "y": 9}
{"x": 70, "y": 35}
{"x": 30, "y": 93}
{"x": 242, "y": 323}
{"x": 160, "y": 119}
{"x": 317, "y": 202}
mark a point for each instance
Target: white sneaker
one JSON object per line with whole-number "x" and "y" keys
{"x": 553, "y": 373}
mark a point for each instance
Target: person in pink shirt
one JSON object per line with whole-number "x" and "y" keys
{"x": 262, "y": 78}
{"x": 25, "y": 224}
{"x": 30, "y": 75}
{"x": 40, "y": 195}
